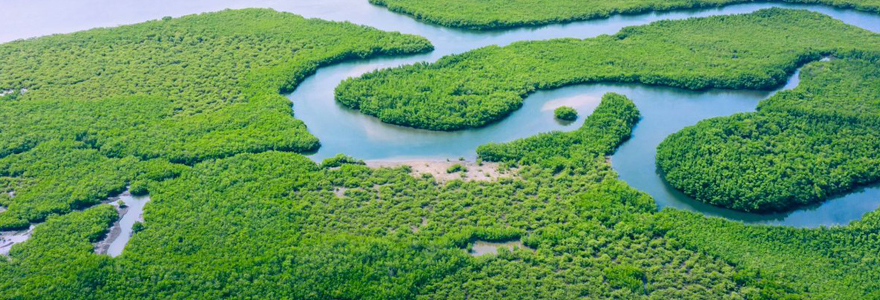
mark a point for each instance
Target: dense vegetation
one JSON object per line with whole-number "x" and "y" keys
{"x": 276, "y": 225}
{"x": 493, "y": 14}
{"x": 107, "y": 107}
{"x": 831, "y": 263}
{"x": 565, "y": 113}
{"x": 820, "y": 139}
{"x": 751, "y": 51}
{"x": 268, "y": 225}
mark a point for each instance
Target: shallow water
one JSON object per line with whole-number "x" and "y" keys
{"x": 664, "y": 110}
{"x": 10, "y": 238}
{"x": 121, "y": 231}
{"x": 340, "y": 130}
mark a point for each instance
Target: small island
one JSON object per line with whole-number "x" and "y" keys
{"x": 566, "y": 113}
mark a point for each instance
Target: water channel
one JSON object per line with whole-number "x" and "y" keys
{"x": 664, "y": 110}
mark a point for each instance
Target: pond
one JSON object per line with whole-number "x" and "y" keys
{"x": 341, "y": 130}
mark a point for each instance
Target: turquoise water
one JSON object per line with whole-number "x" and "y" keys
{"x": 664, "y": 110}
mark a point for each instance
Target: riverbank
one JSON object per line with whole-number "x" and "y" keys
{"x": 11, "y": 238}
{"x": 123, "y": 229}
{"x": 102, "y": 246}
{"x": 470, "y": 171}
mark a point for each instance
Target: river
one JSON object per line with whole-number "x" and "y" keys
{"x": 664, "y": 110}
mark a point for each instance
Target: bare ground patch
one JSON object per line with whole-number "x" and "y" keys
{"x": 471, "y": 171}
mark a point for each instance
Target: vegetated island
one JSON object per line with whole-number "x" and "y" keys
{"x": 800, "y": 147}
{"x": 749, "y": 51}
{"x": 105, "y": 107}
{"x": 565, "y": 113}
{"x": 498, "y": 14}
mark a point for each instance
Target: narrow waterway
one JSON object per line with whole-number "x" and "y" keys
{"x": 340, "y": 130}
{"x": 130, "y": 212}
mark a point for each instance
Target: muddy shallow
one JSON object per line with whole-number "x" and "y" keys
{"x": 121, "y": 231}
{"x": 10, "y": 238}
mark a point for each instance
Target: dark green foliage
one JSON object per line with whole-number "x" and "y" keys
{"x": 565, "y": 113}
{"x": 138, "y": 227}
{"x": 802, "y": 146}
{"x": 752, "y": 51}
{"x": 495, "y": 14}
{"x": 139, "y": 188}
{"x": 456, "y": 168}
{"x": 108, "y": 106}
{"x": 339, "y": 160}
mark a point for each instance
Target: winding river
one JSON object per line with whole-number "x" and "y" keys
{"x": 664, "y": 110}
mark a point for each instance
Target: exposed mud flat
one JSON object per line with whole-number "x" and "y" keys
{"x": 10, "y": 238}
{"x": 486, "y": 171}
{"x": 481, "y": 248}
{"x": 340, "y": 191}
{"x": 415, "y": 229}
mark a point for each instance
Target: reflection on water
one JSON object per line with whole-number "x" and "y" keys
{"x": 664, "y": 110}
{"x": 663, "y": 115}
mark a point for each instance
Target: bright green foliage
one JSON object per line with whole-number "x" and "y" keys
{"x": 751, "y": 51}
{"x": 56, "y": 177}
{"x": 565, "y": 113}
{"x": 494, "y": 14}
{"x": 608, "y": 126}
{"x": 213, "y": 79}
{"x": 101, "y": 104}
{"x": 818, "y": 140}
{"x": 268, "y": 225}
{"x": 271, "y": 225}
{"x": 59, "y": 255}
{"x": 832, "y": 263}
{"x": 626, "y": 276}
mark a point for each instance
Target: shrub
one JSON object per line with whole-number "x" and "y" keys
{"x": 566, "y": 113}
